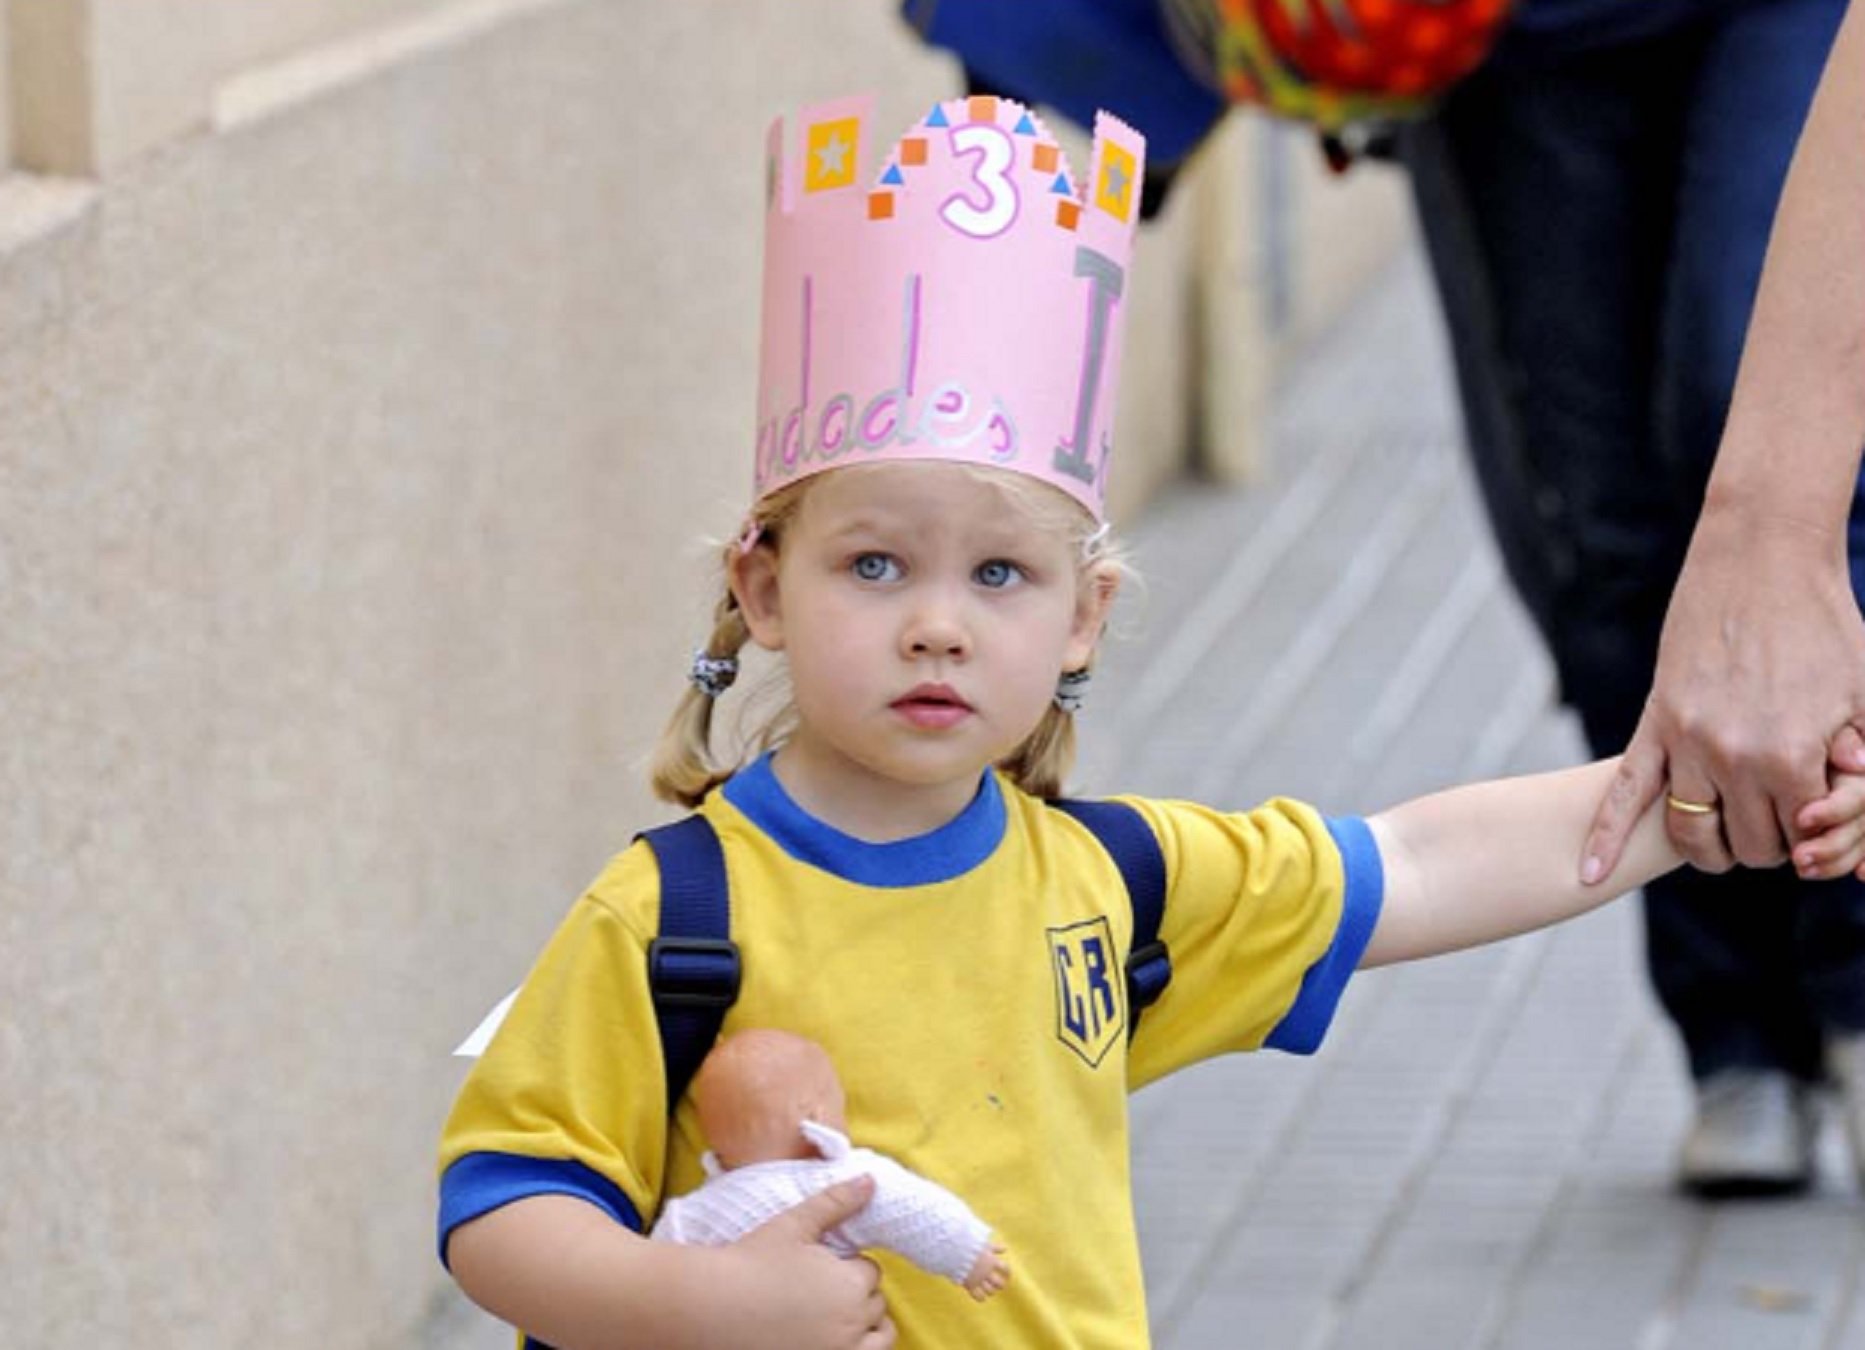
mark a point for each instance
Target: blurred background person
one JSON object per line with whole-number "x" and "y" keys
{"x": 1596, "y": 182}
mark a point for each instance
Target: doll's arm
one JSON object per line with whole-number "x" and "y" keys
{"x": 1479, "y": 863}
{"x": 929, "y": 1225}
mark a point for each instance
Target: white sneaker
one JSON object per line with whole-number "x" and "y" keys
{"x": 1754, "y": 1134}
{"x": 1845, "y": 1061}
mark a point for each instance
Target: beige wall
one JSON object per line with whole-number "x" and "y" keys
{"x": 6, "y": 91}
{"x": 50, "y": 112}
{"x": 1280, "y": 245}
{"x": 356, "y": 428}
{"x": 104, "y": 80}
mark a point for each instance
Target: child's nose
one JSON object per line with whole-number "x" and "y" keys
{"x": 936, "y": 629}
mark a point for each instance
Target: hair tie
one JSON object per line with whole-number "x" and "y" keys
{"x": 712, "y": 675}
{"x": 1071, "y": 690}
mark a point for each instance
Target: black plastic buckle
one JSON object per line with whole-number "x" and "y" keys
{"x": 694, "y": 972}
{"x": 1149, "y": 971}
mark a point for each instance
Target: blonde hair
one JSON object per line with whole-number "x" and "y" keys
{"x": 684, "y": 767}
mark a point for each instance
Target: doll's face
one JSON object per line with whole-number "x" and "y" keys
{"x": 757, "y": 1088}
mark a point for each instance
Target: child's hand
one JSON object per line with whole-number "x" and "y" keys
{"x": 989, "y": 1273}
{"x": 797, "y": 1292}
{"x": 1833, "y": 828}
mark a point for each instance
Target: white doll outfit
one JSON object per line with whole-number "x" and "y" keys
{"x": 916, "y": 1218}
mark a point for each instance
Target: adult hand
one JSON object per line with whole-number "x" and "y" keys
{"x": 1762, "y": 662}
{"x": 799, "y": 1292}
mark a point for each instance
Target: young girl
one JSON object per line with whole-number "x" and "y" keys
{"x": 927, "y": 551}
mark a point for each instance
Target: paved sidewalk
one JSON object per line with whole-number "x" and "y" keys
{"x": 1481, "y": 1154}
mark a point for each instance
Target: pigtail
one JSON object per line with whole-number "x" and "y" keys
{"x": 1040, "y": 766}
{"x": 683, "y": 770}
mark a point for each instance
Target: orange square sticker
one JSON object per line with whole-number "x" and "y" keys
{"x": 1067, "y": 214}
{"x": 913, "y": 150}
{"x": 830, "y": 153}
{"x": 1114, "y": 189}
{"x": 1045, "y": 157}
{"x": 880, "y": 206}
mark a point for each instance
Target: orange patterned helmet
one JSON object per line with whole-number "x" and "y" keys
{"x": 1338, "y": 61}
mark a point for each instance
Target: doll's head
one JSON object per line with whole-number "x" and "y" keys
{"x": 757, "y": 1087}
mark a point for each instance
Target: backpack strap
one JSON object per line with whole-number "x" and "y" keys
{"x": 693, "y": 966}
{"x": 1130, "y": 841}
{"x": 694, "y": 970}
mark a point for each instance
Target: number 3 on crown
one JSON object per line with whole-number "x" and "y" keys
{"x": 995, "y": 154}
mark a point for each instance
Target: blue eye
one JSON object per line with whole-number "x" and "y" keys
{"x": 997, "y": 574}
{"x": 875, "y": 567}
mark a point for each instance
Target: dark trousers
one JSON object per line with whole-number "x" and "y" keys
{"x": 1596, "y": 221}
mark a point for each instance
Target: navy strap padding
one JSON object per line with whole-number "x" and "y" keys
{"x": 693, "y": 966}
{"x": 694, "y": 969}
{"x": 1130, "y": 841}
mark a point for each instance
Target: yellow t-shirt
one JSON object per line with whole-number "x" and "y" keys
{"x": 968, "y": 984}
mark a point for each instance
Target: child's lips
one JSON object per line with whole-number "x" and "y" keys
{"x": 933, "y": 706}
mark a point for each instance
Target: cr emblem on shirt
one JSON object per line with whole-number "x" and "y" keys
{"x": 1089, "y": 1015}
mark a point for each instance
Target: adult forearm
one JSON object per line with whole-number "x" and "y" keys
{"x": 1790, "y": 450}
{"x": 1479, "y": 863}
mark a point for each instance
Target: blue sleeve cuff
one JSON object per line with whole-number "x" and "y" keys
{"x": 1302, "y": 1028}
{"x": 478, "y": 1183}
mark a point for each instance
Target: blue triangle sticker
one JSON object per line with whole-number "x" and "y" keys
{"x": 893, "y": 177}
{"x": 1025, "y": 127}
{"x": 938, "y": 117}
{"x": 1060, "y": 186}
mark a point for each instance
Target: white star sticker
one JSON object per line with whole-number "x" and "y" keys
{"x": 831, "y": 155}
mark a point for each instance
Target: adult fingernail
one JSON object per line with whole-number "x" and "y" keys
{"x": 1590, "y": 870}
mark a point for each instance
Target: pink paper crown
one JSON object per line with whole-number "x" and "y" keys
{"x": 966, "y": 306}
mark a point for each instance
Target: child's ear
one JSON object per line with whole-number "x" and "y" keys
{"x": 752, "y": 575}
{"x": 1094, "y": 598}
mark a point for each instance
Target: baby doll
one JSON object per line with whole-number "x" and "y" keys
{"x": 772, "y": 1110}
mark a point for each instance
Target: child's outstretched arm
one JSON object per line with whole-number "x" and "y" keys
{"x": 1475, "y": 864}
{"x": 569, "y": 1275}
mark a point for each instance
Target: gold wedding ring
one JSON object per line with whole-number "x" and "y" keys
{"x": 1690, "y": 808}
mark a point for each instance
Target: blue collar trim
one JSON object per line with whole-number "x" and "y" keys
{"x": 947, "y": 852}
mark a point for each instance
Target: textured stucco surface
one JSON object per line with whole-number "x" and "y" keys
{"x": 352, "y": 461}
{"x": 6, "y": 88}
{"x": 104, "y": 80}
